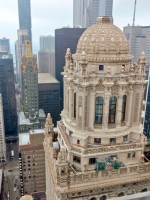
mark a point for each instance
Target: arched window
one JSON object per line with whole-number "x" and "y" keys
{"x": 74, "y": 105}
{"x": 93, "y": 198}
{"x": 112, "y": 110}
{"x": 121, "y": 194}
{"x": 103, "y": 198}
{"x": 144, "y": 190}
{"x": 123, "y": 108}
{"x": 99, "y": 110}
{"x": 130, "y": 192}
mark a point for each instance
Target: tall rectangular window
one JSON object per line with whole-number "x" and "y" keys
{"x": 101, "y": 67}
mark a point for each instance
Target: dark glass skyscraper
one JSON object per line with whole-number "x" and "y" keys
{"x": 7, "y": 89}
{"x": 24, "y": 10}
{"x": 147, "y": 113}
{"x": 64, "y": 38}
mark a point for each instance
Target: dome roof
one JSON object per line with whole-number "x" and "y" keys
{"x": 103, "y": 38}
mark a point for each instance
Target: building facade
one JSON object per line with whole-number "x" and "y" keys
{"x": 24, "y": 12}
{"x": 31, "y": 116}
{"x": 32, "y": 159}
{"x": 19, "y": 51}
{"x": 64, "y": 38}
{"x": 46, "y": 62}
{"x": 47, "y": 43}
{"x": 100, "y": 132}
{"x": 49, "y": 95}
{"x": 85, "y": 12}
{"x": 7, "y": 90}
{"x": 139, "y": 40}
{"x": 4, "y": 45}
{"x": 2, "y": 134}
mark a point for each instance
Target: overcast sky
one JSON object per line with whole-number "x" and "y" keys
{"x": 48, "y": 15}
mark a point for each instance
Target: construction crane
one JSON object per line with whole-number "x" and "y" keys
{"x": 134, "y": 13}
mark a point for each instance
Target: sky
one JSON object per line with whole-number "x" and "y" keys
{"x": 48, "y": 15}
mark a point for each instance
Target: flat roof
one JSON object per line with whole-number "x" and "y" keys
{"x": 1, "y": 177}
{"x": 23, "y": 120}
{"x": 46, "y": 78}
{"x": 24, "y": 138}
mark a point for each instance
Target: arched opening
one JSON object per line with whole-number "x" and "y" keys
{"x": 112, "y": 110}
{"x": 144, "y": 190}
{"x": 121, "y": 194}
{"x": 94, "y": 198}
{"x": 124, "y": 100}
{"x": 99, "y": 110}
{"x": 74, "y": 105}
{"x": 103, "y": 198}
{"x": 130, "y": 192}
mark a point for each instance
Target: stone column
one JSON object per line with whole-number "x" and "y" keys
{"x": 129, "y": 107}
{"x": 85, "y": 110}
{"x": 64, "y": 94}
{"x": 119, "y": 110}
{"x": 71, "y": 102}
{"x": 91, "y": 110}
{"x": 106, "y": 110}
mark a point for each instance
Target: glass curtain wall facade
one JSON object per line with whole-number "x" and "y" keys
{"x": 7, "y": 89}
{"x": 24, "y": 10}
{"x": 147, "y": 113}
{"x": 64, "y": 38}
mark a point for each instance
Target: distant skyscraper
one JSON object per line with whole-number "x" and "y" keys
{"x": 64, "y": 38}
{"x": 49, "y": 95}
{"x": 46, "y": 62}
{"x": 2, "y": 133}
{"x": 46, "y": 55}
{"x": 105, "y": 8}
{"x": 4, "y": 45}
{"x": 85, "y": 12}
{"x": 7, "y": 89}
{"x": 139, "y": 40}
{"x": 47, "y": 43}
{"x": 32, "y": 117}
{"x": 19, "y": 51}
{"x": 24, "y": 10}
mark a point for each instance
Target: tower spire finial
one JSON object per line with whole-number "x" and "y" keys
{"x": 28, "y": 51}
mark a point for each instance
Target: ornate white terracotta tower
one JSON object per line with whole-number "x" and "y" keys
{"x": 101, "y": 128}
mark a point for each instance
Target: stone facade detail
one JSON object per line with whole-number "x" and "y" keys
{"x": 100, "y": 125}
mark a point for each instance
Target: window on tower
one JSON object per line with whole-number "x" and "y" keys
{"x": 74, "y": 105}
{"x": 123, "y": 108}
{"x": 112, "y": 110}
{"x": 99, "y": 110}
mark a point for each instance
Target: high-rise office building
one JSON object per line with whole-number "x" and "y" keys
{"x": 24, "y": 11}
{"x": 139, "y": 40}
{"x": 32, "y": 117}
{"x": 49, "y": 95}
{"x": 32, "y": 161}
{"x": 64, "y": 38}
{"x": 46, "y": 62}
{"x": 100, "y": 132}
{"x": 19, "y": 51}
{"x": 46, "y": 55}
{"x": 2, "y": 133}
{"x": 85, "y": 12}
{"x": 7, "y": 90}
{"x": 47, "y": 43}
{"x": 4, "y": 45}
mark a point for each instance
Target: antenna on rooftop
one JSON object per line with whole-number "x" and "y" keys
{"x": 134, "y": 13}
